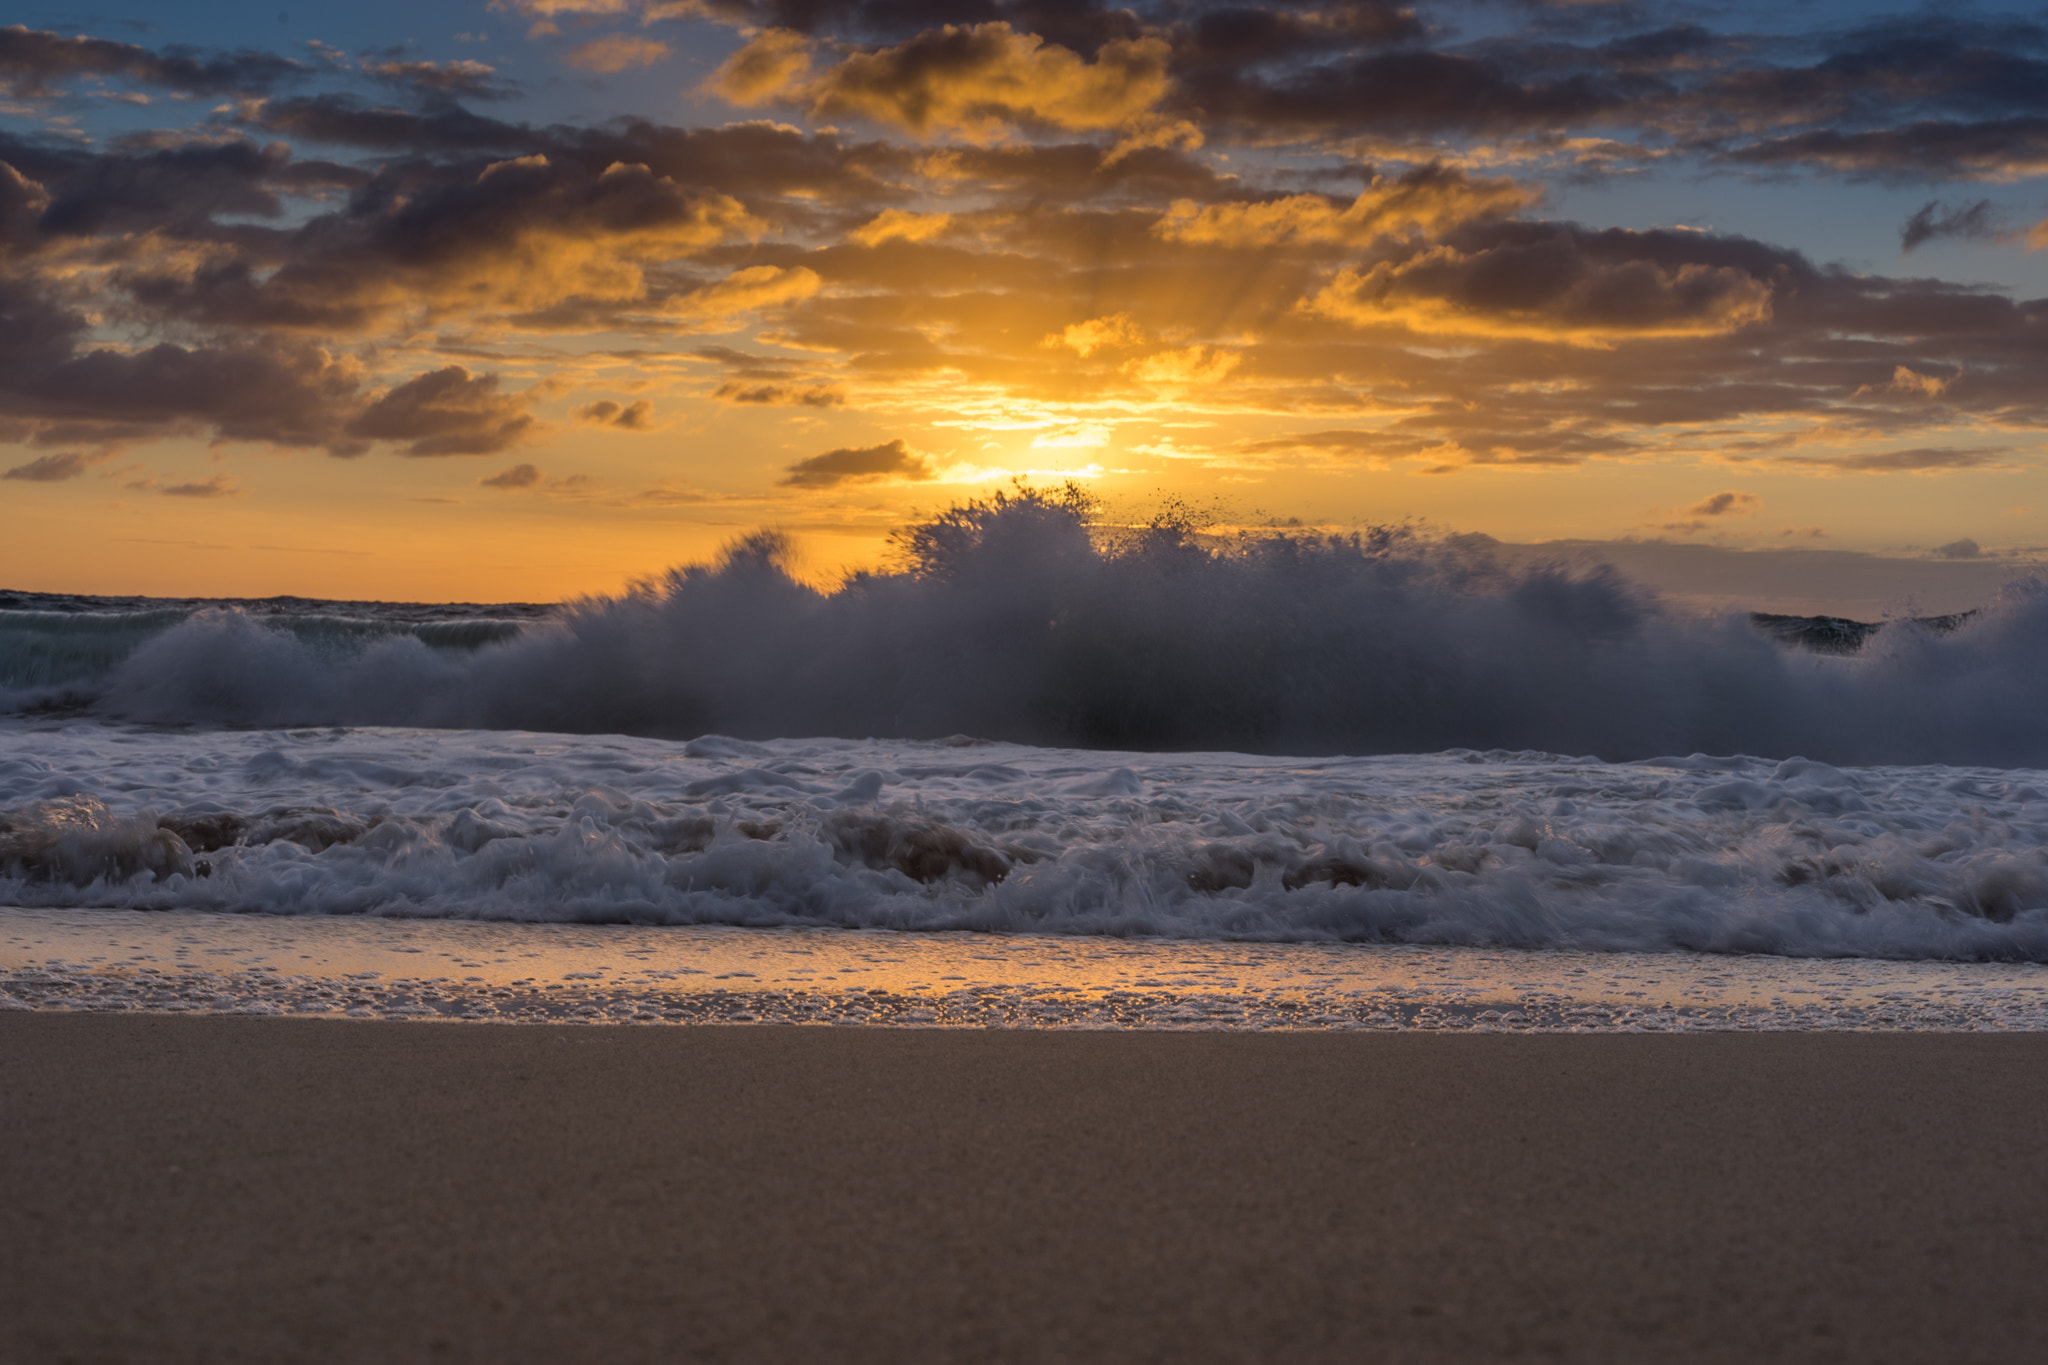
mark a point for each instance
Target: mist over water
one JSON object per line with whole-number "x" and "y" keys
{"x": 1009, "y": 620}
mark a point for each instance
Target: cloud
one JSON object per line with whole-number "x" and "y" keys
{"x": 779, "y": 395}
{"x": 516, "y": 476}
{"x": 1934, "y": 219}
{"x": 1115, "y": 332}
{"x": 460, "y": 79}
{"x": 1911, "y": 382}
{"x": 449, "y": 412}
{"x": 176, "y": 187}
{"x": 637, "y": 416}
{"x": 1552, "y": 282}
{"x": 517, "y": 236}
{"x": 1726, "y": 504}
{"x": 1992, "y": 149}
{"x": 1959, "y": 549}
{"x": 33, "y": 60}
{"x": 1414, "y": 91}
{"x": 1920, "y": 460}
{"x": 617, "y": 52}
{"x": 49, "y": 468}
{"x": 771, "y": 65}
{"x": 896, "y": 225}
{"x": 1185, "y": 366}
{"x": 1335, "y": 442}
{"x": 549, "y": 8}
{"x": 341, "y": 118}
{"x": 1429, "y": 199}
{"x": 219, "y": 486}
{"x": 1020, "y": 222}
{"x": 60, "y": 390}
{"x": 892, "y": 460}
{"x": 1701, "y": 514}
{"x": 755, "y": 287}
{"x": 975, "y": 79}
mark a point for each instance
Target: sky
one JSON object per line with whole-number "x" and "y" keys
{"x": 521, "y": 299}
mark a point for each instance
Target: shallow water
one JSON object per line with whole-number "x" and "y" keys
{"x": 379, "y": 968}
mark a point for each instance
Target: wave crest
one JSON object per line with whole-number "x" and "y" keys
{"x": 1007, "y": 618}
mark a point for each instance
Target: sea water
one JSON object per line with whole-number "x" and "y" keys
{"x": 555, "y": 876}
{"x": 1473, "y": 799}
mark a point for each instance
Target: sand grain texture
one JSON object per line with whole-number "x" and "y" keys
{"x": 229, "y": 1189}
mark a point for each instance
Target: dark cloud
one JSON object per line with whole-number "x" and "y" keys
{"x": 1239, "y": 35}
{"x": 780, "y": 395}
{"x": 861, "y": 464}
{"x": 1556, "y": 280}
{"x": 33, "y": 62}
{"x": 1406, "y": 92}
{"x": 22, "y": 204}
{"x": 1959, "y": 549}
{"x": 185, "y": 186}
{"x": 219, "y": 486}
{"x": 1978, "y": 222}
{"x": 345, "y": 120}
{"x": 517, "y": 476}
{"x": 1725, "y": 504}
{"x": 436, "y": 81}
{"x": 636, "y": 416}
{"x": 49, "y": 468}
{"x": 448, "y": 412}
{"x": 519, "y": 235}
{"x": 257, "y": 389}
{"x": 197, "y": 283}
{"x": 1082, "y": 25}
{"x": 1921, "y": 150}
{"x": 1200, "y": 32}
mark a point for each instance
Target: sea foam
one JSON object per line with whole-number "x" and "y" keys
{"x": 1514, "y": 849}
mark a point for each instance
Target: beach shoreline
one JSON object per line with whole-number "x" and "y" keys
{"x": 366, "y": 966}
{"x": 225, "y": 1188}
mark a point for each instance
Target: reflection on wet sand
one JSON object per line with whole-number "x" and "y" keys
{"x": 386, "y": 968}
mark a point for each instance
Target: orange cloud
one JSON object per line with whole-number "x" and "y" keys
{"x": 1186, "y": 366}
{"x": 771, "y": 65}
{"x": 976, "y": 80}
{"x": 1086, "y": 338}
{"x": 757, "y": 286}
{"x": 1431, "y": 200}
{"x": 896, "y": 225}
{"x": 616, "y": 52}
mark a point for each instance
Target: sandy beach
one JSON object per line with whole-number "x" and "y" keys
{"x": 219, "y": 1188}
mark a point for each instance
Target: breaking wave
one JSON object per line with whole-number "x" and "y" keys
{"x": 1009, "y": 619}
{"x": 1509, "y": 849}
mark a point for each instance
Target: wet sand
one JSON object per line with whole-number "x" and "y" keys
{"x": 227, "y": 1189}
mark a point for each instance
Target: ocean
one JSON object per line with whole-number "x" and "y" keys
{"x": 1321, "y": 783}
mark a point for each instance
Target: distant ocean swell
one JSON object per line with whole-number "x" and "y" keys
{"x": 1007, "y": 620}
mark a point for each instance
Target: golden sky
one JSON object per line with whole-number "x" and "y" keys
{"x": 521, "y": 299}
